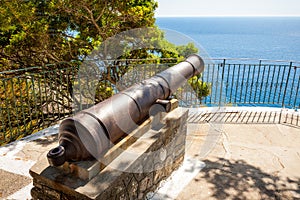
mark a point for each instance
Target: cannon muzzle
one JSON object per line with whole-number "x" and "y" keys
{"x": 91, "y": 132}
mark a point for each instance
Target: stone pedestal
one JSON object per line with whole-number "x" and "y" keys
{"x": 130, "y": 170}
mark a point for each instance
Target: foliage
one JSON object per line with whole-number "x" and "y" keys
{"x": 201, "y": 88}
{"x": 57, "y": 36}
{"x": 43, "y": 32}
{"x": 33, "y": 100}
{"x": 16, "y": 96}
{"x": 39, "y": 32}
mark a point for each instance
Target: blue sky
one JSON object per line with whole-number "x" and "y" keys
{"x": 228, "y": 8}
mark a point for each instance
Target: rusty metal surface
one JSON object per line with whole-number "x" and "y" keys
{"x": 91, "y": 132}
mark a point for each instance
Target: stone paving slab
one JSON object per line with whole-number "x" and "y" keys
{"x": 7, "y": 178}
{"x": 245, "y": 154}
{"x": 245, "y": 115}
{"x": 257, "y": 161}
{"x": 18, "y": 157}
{"x": 226, "y": 157}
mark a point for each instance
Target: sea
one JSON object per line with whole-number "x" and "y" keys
{"x": 274, "y": 38}
{"x": 236, "y": 38}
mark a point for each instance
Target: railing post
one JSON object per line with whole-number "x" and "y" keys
{"x": 259, "y": 84}
{"x": 221, "y": 90}
{"x": 284, "y": 93}
{"x": 287, "y": 82}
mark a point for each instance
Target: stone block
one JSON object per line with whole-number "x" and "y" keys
{"x": 133, "y": 167}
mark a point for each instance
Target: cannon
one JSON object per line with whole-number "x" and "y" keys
{"x": 91, "y": 132}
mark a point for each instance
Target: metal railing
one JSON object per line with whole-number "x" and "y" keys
{"x": 34, "y": 98}
{"x": 245, "y": 83}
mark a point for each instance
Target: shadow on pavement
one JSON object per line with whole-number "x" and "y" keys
{"x": 239, "y": 180}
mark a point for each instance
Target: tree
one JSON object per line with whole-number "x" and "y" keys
{"x": 54, "y": 35}
{"x": 57, "y": 36}
{"x": 40, "y": 32}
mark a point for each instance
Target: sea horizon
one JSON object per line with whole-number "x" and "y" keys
{"x": 254, "y": 37}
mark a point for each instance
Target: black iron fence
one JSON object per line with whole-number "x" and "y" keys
{"x": 34, "y": 98}
{"x": 245, "y": 83}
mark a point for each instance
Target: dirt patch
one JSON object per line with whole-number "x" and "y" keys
{"x": 11, "y": 183}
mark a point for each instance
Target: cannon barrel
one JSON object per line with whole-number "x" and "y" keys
{"x": 91, "y": 132}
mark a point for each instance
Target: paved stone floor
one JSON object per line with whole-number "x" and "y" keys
{"x": 244, "y": 159}
{"x": 253, "y": 161}
{"x": 230, "y": 154}
{"x": 17, "y": 158}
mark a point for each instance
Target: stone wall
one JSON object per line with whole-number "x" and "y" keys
{"x": 134, "y": 173}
